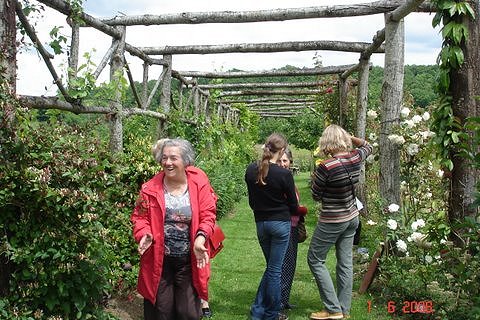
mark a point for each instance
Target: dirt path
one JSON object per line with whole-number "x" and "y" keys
{"x": 127, "y": 308}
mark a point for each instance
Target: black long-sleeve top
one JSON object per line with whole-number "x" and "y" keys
{"x": 275, "y": 201}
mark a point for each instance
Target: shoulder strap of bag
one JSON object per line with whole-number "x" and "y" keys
{"x": 349, "y": 176}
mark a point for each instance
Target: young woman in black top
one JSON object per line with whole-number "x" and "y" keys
{"x": 272, "y": 197}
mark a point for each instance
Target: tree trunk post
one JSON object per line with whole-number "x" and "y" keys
{"x": 196, "y": 101}
{"x": 343, "y": 100}
{"x": 392, "y": 94}
{"x": 74, "y": 45}
{"x": 166, "y": 85}
{"x": 145, "y": 85}
{"x": 165, "y": 94}
{"x": 361, "y": 124}
{"x": 115, "y": 119}
{"x": 8, "y": 61}
{"x": 8, "y": 76}
{"x": 465, "y": 88}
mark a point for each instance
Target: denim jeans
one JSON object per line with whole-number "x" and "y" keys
{"x": 324, "y": 237}
{"x": 273, "y": 237}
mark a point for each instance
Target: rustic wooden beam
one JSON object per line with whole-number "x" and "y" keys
{"x": 403, "y": 10}
{"x": 36, "y": 102}
{"x": 132, "y": 85}
{"x": 285, "y": 108}
{"x": 106, "y": 59}
{"x": 154, "y": 89}
{"x": 248, "y": 101}
{"x": 377, "y": 41}
{"x": 185, "y": 81}
{"x": 325, "y": 45}
{"x": 268, "y": 73}
{"x": 65, "y": 8}
{"x": 281, "y": 104}
{"x": 270, "y": 92}
{"x": 278, "y": 114}
{"x": 334, "y": 11}
{"x": 268, "y": 85}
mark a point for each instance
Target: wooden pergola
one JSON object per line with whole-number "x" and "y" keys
{"x": 272, "y": 99}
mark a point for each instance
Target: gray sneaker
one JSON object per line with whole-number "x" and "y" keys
{"x": 282, "y": 316}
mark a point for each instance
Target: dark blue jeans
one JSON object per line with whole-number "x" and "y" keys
{"x": 273, "y": 237}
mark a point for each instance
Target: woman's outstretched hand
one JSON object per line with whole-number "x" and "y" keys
{"x": 145, "y": 243}
{"x": 201, "y": 252}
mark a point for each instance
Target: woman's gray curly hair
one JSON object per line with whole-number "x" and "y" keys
{"x": 186, "y": 149}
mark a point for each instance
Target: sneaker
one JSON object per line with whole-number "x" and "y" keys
{"x": 282, "y": 316}
{"x": 206, "y": 313}
{"x": 326, "y": 315}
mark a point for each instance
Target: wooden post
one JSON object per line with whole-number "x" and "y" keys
{"x": 166, "y": 84}
{"x": 391, "y": 98}
{"x": 361, "y": 124}
{"x": 196, "y": 101}
{"x": 343, "y": 92}
{"x": 465, "y": 88}
{"x": 165, "y": 94}
{"x": 74, "y": 45}
{"x": 8, "y": 69}
{"x": 115, "y": 118}
{"x": 145, "y": 85}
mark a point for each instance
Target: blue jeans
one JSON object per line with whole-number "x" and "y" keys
{"x": 324, "y": 237}
{"x": 273, "y": 237}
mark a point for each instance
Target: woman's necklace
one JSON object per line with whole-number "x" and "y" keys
{"x": 175, "y": 189}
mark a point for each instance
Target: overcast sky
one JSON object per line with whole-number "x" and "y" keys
{"x": 422, "y": 41}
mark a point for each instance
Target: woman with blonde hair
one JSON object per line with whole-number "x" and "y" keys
{"x": 333, "y": 184}
{"x": 272, "y": 197}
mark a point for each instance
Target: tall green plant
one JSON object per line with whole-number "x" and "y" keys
{"x": 449, "y": 129}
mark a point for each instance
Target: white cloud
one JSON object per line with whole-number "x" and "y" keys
{"x": 422, "y": 41}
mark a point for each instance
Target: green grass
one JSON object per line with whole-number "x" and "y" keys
{"x": 237, "y": 270}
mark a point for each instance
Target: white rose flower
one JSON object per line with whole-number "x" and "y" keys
{"x": 393, "y": 207}
{"x": 372, "y": 114}
{"x": 401, "y": 245}
{"x": 409, "y": 123}
{"x": 405, "y": 112}
{"x": 416, "y": 119}
{"x": 426, "y": 116}
{"x": 417, "y": 237}
{"x": 412, "y": 149}
{"x": 392, "y": 224}
{"x": 396, "y": 139}
{"x": 371, "y": 223}
{"x": 420, "y": 223}
{"x": 440, "y": 173}
{"x": 428, "y": 259}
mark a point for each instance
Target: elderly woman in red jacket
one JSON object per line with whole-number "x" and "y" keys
{"x": 173, "y": 218}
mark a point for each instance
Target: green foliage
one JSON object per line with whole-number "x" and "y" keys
{"x": 82, "y": 85}
{"x": 451, "y": 57}
{"x": 65, "y": 217}
{"x": 58, "y": 40}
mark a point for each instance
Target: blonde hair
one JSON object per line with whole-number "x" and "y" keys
{"x": 334, "y": 139}
{"x": 274, "y": 143}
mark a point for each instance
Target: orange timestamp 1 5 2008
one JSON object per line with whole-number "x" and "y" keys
{"x": 411, "y": 307}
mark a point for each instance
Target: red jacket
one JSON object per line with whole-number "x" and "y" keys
{"x": 149, "y": 217}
